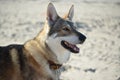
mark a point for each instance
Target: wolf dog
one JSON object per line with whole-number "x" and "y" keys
{"x": 41, "y": 58}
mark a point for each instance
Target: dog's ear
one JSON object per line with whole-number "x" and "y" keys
{"x": 51, "y": 13}
{"x": 71, "y": 13}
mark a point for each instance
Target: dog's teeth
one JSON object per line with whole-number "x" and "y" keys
{"x": 66, "y": 43}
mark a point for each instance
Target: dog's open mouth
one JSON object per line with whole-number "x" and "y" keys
{"x": 71, "y": 47}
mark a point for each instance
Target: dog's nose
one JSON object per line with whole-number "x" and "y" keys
{"x": 82, "y": 38}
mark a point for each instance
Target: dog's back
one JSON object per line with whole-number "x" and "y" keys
{"x": 11, "y": 61}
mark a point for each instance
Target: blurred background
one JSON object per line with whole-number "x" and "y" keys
{"x": 99, "y": 20}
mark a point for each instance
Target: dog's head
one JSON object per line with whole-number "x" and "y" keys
{"x": 62, "y": 36}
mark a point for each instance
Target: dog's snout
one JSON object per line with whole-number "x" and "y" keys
{"x": 82, "y": 38}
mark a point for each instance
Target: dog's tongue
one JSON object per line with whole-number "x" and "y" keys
{"x": 73, "y": 48}
{"x": 76, "y": 48}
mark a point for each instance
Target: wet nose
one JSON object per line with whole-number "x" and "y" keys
{"x": 82, "y": 38}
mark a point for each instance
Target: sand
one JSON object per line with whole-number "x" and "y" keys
{"x": 99, "y": 20}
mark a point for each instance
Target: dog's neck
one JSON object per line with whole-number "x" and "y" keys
{"x": 53, "y": 65}
{"x": 40, "y": 53}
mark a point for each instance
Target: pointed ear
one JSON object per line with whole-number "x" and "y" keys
{"x": 71, "y": 13}
{"x": 51, "y": 13}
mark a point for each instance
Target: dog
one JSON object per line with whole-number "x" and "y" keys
{"x": 41, "y": 58}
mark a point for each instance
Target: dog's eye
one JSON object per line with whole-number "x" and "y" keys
{"x": 66, "y": 29}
